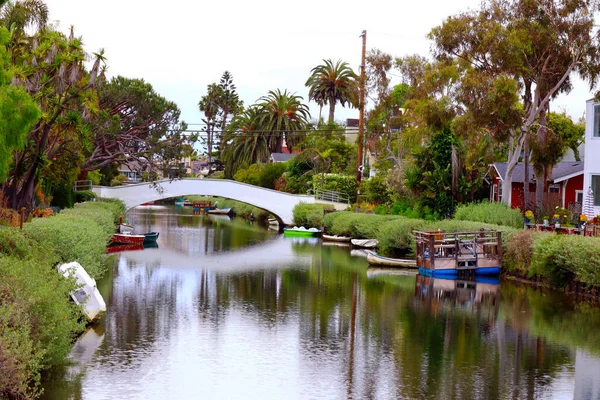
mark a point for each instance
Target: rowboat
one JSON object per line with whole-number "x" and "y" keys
{"x": 127, "y": 238}
{"x": 87, "y": 295}
{"x": 150, "y": 237}
{"x": 301, "y": 231}
{"x": 376, "y": 259}
{"x": 336, "y": 238}
{"x": 221, "y": 211}
{"x": 366, "y": 243}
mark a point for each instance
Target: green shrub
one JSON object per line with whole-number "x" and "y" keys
{"x": 84, "y": 195}
{"x": 518, "y": 251}
{"x": 345, "y": 184}
{"x": 560, "y": 258}
{"x": 270, "y": 173}
{"x": 310, "y": 215}
{"x": 37, "y": 322}
{"x": 396, "y": 236}
{"x": 79, "y": 234}
{"x": 347, "y": 223}
{"x": 249, "y": 175}
{"x": 491, "y": 213}
{"x": 14, "y": 243}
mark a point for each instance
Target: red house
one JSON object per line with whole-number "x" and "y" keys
{"x": 565, "y": 187}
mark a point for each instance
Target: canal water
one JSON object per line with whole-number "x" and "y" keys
{"x": 223, "y": 309}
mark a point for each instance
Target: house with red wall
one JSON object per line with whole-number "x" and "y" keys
{"x": 564, "y": 187}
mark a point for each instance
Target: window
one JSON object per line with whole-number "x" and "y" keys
{"x": 596, "y": 132}
{"x": 596, "y": 189}
{"x": 554, "y": 188}
{"x": 579, "y": 196}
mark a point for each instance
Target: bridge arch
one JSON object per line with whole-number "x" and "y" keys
{"x": 279, "y": 204}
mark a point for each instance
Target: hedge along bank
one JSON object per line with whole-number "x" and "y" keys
{"x": 558, "y": 260}
{"x": 38, "y": 322}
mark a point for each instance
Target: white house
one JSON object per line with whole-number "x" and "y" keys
{"x": 591, "y": 171}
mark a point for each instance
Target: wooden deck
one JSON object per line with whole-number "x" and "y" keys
{"x": 443, "y": 253}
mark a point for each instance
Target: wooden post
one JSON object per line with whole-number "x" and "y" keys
{"x": 432, "y": 251}
{"x": 499, "y": 246}
{"x": 22, "y": 217}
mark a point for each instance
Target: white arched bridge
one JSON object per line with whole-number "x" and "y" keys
{"x": 280, "y": 204}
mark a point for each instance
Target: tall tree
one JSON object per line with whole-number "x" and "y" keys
{"x": 283, "y": 117}
{"x": 209, "y": 104}
{"x": 245, "y": 142}
{"x": 134, "y": 123}
{"x": 51, "y": 69}
{"x": 538, "y": 44}
{"x": 331, "y": 83}
{"x": 18, "y": 112}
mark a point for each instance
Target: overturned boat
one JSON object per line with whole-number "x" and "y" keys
{"x": 86, "y": 296}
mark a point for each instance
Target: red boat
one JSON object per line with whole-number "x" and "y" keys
{"x": 117, "y": 248}
{"x": 124, "y": 238}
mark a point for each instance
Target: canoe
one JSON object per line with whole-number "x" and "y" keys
{"x": 301, "y": 231}
{"x": 336, "y": 238}
{"x": 87, "y": 295}
{"x": 150, "y": 237}
{"x": 366, "y": 243}
{"x": 125, "y": 238}
{"x": 376, "y": 259}
{"x": 221, "y": 211}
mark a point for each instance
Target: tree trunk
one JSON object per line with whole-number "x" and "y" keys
{"x": 513, "y": 158}
{"x": 540, "y": 174}
{"x": 331, "y": 109}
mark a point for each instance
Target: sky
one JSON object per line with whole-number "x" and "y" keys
{"x": 181, "y": 46}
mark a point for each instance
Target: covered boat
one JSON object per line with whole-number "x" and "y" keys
{"x": 301, "y": 231}
{"x": 366, "y": 243}
{"x": 125, "y": 228}
{"x": 87, "y": 295}
{"x": 376, "y": 259}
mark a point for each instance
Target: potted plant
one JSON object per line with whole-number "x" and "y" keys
{"x": 545, "y": 219}
{"x": 528, "y": 217}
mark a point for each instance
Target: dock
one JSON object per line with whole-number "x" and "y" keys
{"x": 442, "y": 253}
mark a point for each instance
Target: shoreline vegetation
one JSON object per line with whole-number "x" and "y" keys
{"x": 38, "y": 322}
{"x": 563, "y": 262}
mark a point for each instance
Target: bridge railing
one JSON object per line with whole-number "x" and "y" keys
{"x": 330, "y": 195}
{"x": 82, "y": 185}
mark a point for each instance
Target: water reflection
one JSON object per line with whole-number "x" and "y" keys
{"x": 226, "y": 310}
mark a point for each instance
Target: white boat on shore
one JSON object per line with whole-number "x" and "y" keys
{"x": 376, "y": 259}
{"x": 87, "y": 295}
{"x": 220, "y": 211}
{"x": 365, "y": 243}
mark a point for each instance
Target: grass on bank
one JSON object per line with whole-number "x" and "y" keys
{"x": 38, "y": 321}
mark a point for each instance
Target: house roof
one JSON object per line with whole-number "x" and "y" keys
{"x": 281, "y": 157}
{"x": 560, "y": 172}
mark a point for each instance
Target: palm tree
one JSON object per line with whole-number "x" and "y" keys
{"x": 329, "y": 83}
{"x": 283, "y": 116}
{"x": 245, "y": 142}
{"x": 209, "y": 104}
{"x": 18, "y": 15}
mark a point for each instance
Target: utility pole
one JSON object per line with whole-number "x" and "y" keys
{"x": 361, "y": 110}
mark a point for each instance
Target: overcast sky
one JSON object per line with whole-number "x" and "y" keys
{"x": 181, "y": 46}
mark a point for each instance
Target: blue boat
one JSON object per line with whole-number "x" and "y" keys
{"x": 441, "y": 254}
